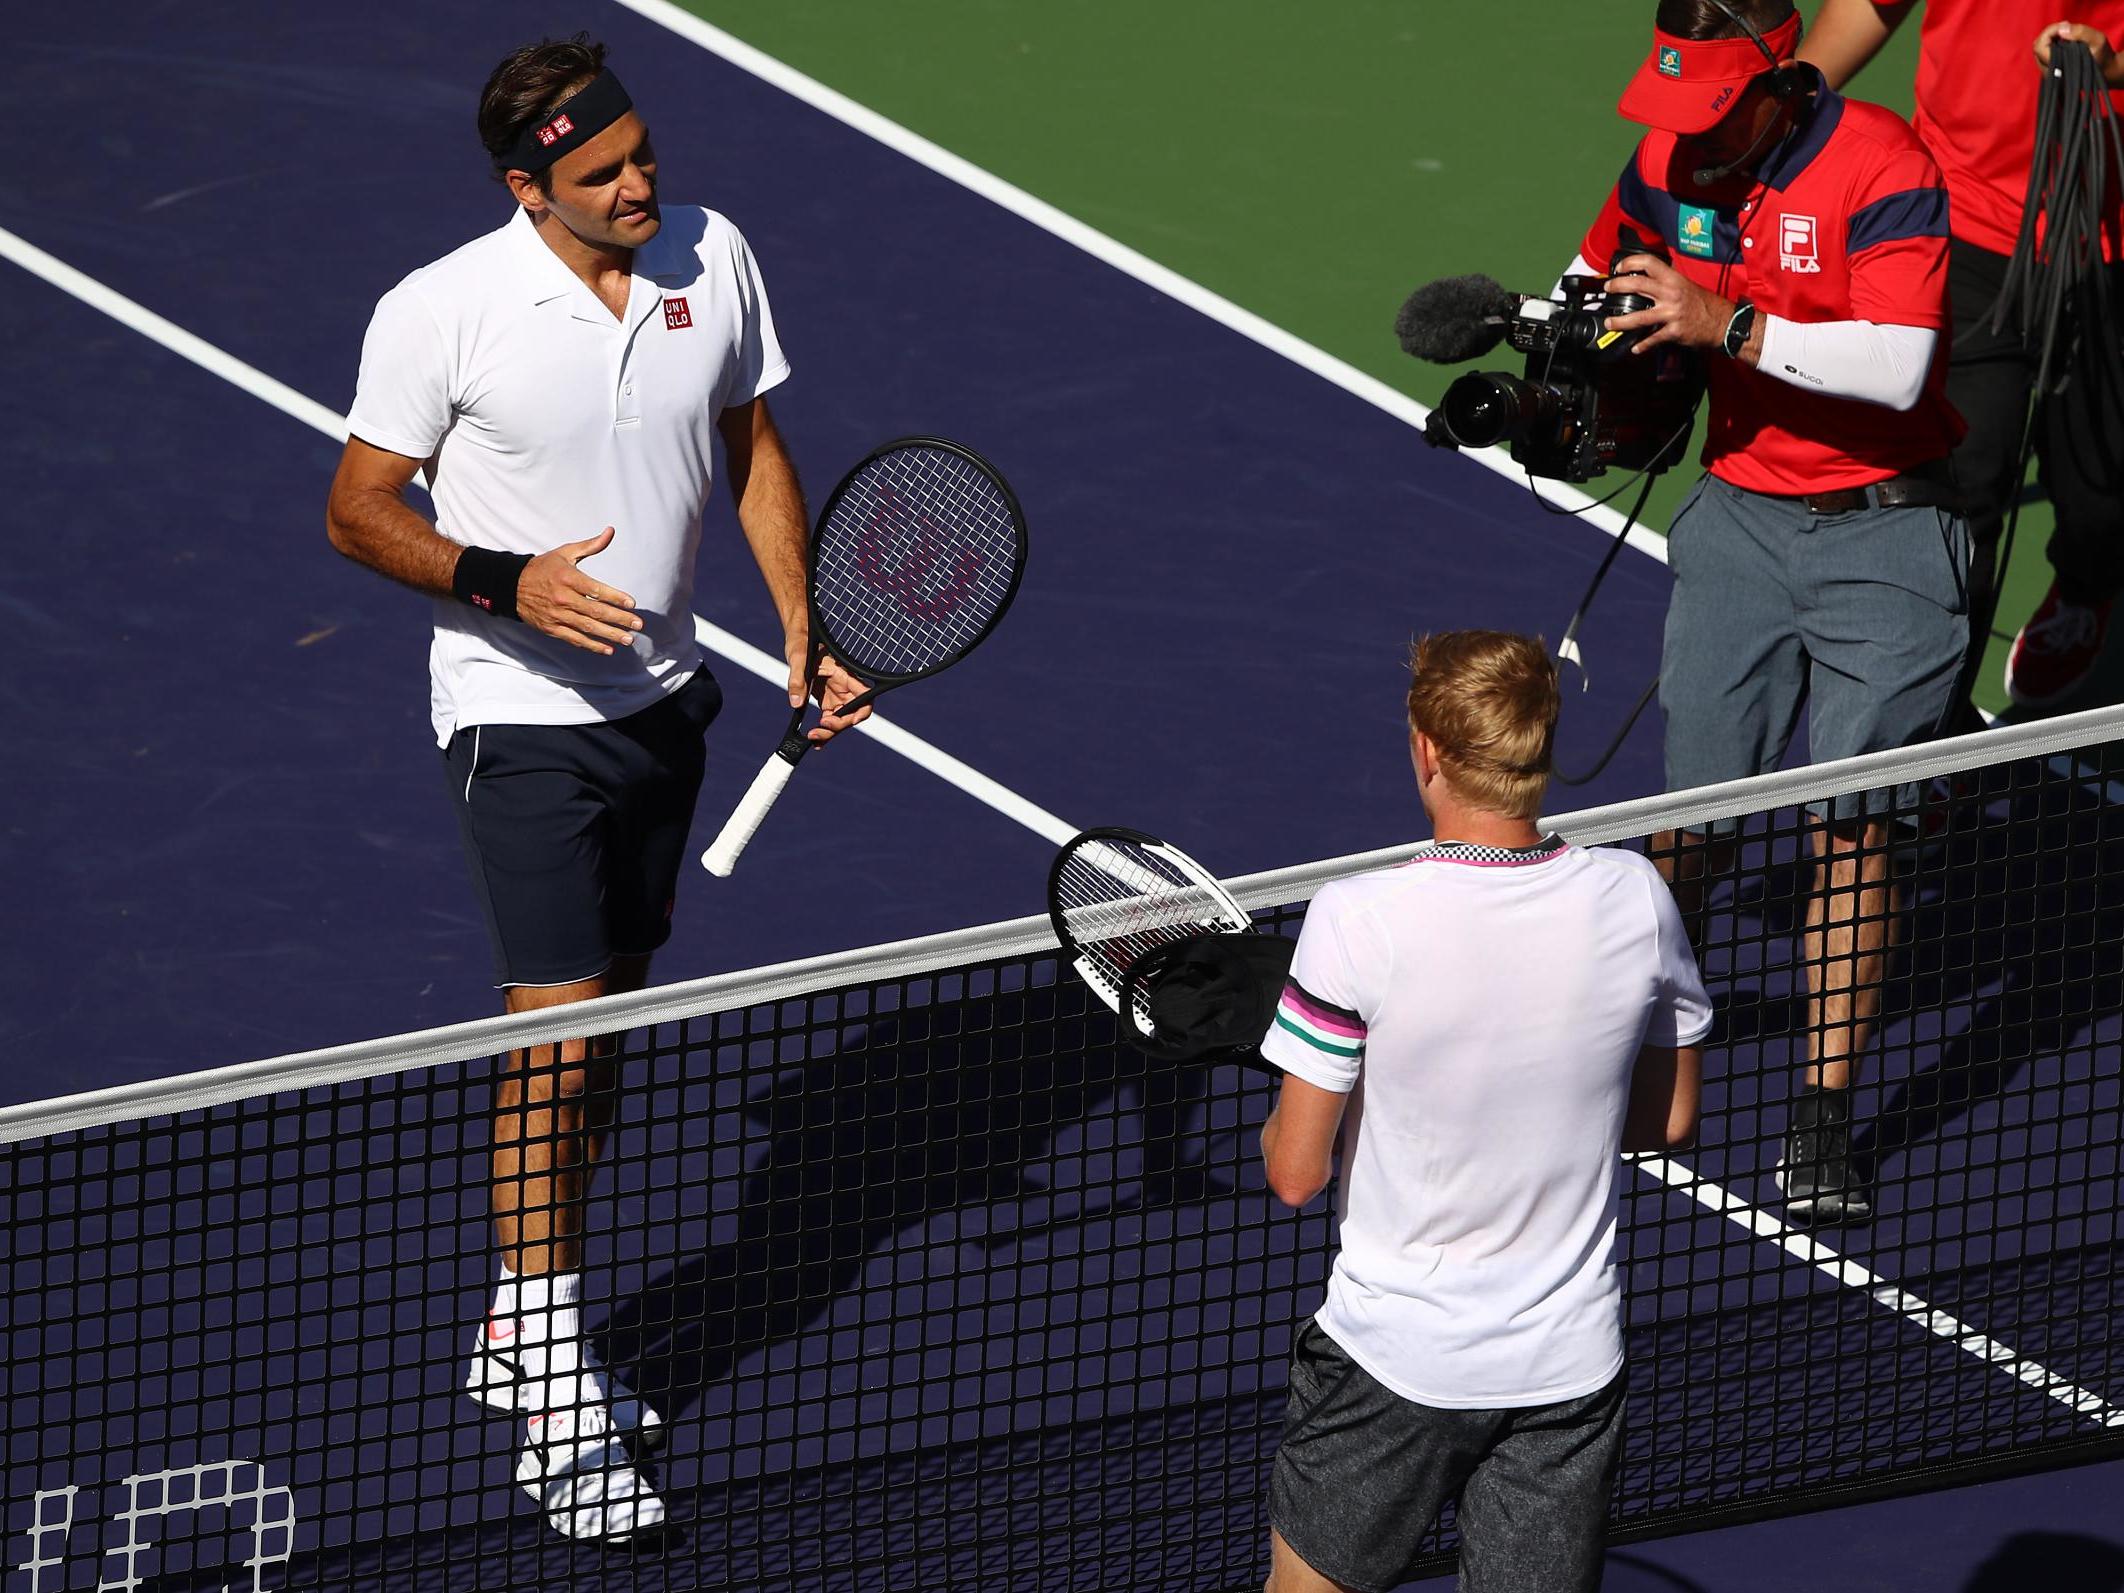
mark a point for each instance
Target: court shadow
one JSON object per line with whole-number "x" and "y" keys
{"x": 1622, "y": 1572}
{"x": 517, "y": 1552}
{"x": 2056, "y": 1562}
{"x": 934, "y": 1111}
{"x": 1775, "y": 894}
{"x": 1750, "y": 1013}
{"x": 1632, "y": 1573}
{"x": 2013, "y": 939}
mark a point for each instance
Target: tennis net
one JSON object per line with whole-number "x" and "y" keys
{"x": 939, "y": 1287}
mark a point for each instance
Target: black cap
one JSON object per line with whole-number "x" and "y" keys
{"x": 1207, "y": 994}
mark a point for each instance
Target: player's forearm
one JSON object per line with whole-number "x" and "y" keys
{"x": 375, "y": 527}
{"x": 1298, "y": 1142}
{"x": 1293, "y": 1185}
{"x": 1847, "y": 34}
{"x": 770, "y": 510}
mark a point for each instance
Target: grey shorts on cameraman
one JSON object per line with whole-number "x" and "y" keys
{"x": 1864, "y": 617}
{"x": 1361, "y": 1473}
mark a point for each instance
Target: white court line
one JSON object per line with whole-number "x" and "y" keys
{"x": 758, "y": 661}
{"x": 171, "y": 336}
{"x": 1111, "y": 251}
{"x": 1888, "y": 1295}
{"x": 289, "y": 402}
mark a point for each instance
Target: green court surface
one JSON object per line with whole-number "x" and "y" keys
{"x": 1312, "y": 164}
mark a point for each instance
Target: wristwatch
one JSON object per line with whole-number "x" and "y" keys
{"x": 1738, "y": 328}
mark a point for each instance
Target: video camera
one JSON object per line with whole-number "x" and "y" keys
{"x": 1582, "y": 406}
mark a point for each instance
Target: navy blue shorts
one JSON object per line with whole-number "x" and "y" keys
{"x": 575, "y": 833}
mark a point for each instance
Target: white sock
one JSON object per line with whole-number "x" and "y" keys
{"x": 549, "y": 1332}
{"x": 504, "y": 1306}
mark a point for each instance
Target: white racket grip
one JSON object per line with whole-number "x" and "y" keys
{"x": 722, "y": 857}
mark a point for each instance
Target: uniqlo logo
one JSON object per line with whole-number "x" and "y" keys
{"x": 554, "y": 131}
{"x": 676, "y": 316}
{"x": 1796, "y": 245}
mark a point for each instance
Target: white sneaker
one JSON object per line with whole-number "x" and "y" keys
{"x": 574, "y": 1464}
{"x": 496, "y": 1378}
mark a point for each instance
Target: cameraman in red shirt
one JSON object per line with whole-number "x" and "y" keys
{"x": 1976, "y": 111}
{"x": 1798, "y": 241}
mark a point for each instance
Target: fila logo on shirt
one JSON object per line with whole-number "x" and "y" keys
{"x": 1795, "y": 245}
{"x": 676, "y": 316}
{"x": 554, "y": 131}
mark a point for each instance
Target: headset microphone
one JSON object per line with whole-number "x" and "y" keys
{"x": 1705, "y": 176}
{"x": 1783, "y": 82}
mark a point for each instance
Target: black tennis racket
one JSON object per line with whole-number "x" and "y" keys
{"x": 1121, "y": 901}
{"x": 913, "y": 561}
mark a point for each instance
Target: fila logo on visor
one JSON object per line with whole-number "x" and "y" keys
{"x": 1795, "y": 245}
{"x": 1669, "y": 61}
{"x": 676, "y": 316}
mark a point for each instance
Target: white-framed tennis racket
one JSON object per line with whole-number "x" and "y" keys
{"x": 1115, "y": 895}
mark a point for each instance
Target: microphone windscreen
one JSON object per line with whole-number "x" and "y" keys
{"x": 1454, "y": 319}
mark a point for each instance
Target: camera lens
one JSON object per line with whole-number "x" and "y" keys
{"x": 1487, "y": 407}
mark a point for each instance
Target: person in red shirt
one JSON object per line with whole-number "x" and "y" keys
{"x": 1798, "y": 241}
{"x": 1976, "y": 110}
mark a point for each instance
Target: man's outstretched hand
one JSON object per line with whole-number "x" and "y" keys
{"x": 557, "y": 597}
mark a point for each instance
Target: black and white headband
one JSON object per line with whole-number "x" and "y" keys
{"x": 569, "y": 125}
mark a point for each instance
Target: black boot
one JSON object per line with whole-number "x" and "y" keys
{"x": 1818, "y": 1177}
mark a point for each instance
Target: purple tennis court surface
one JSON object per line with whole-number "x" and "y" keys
{"x": 238, "y": 831}
{"x": 238, "y": 843}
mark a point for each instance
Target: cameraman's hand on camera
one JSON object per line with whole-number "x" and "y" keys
{"x": 1682, "y": 313}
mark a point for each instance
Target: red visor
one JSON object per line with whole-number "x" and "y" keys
{"x": 1687, "y": 85}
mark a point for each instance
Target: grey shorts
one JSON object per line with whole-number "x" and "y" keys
{"x": 1361, "y": 1474}
{"x": 1862, "y": 616}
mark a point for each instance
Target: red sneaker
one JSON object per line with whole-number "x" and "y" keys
{"x": 2056, "y": 650}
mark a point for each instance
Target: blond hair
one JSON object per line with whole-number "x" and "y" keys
{"x": 1488, "y": 701}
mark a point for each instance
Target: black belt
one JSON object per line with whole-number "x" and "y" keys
{"x": 1929, "y": 486}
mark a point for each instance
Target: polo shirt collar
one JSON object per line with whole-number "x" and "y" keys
{"x": 545, "y": 278}
{"x": 1550, "y": 845}
{"x": 1807, "y": 137}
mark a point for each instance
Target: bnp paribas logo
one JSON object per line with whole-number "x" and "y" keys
{"x": 1669, "y": 60}
{"x": 1698, "y": 231}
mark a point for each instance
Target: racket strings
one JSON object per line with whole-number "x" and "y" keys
{"x": 917, "y": 558}
{"x": 1119, "y": 901}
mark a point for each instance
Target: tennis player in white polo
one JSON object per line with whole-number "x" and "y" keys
{"x": 1484, "y": 1028}
{"x": 560, "y": 384}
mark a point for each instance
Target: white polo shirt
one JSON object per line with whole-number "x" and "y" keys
{"x": 1483, "y": 1009}
{"x": 541, "y": 418}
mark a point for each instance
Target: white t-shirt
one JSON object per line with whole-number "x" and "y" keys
{"x": 542, "y": 419}
{"x": 1484, "y": 1010}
